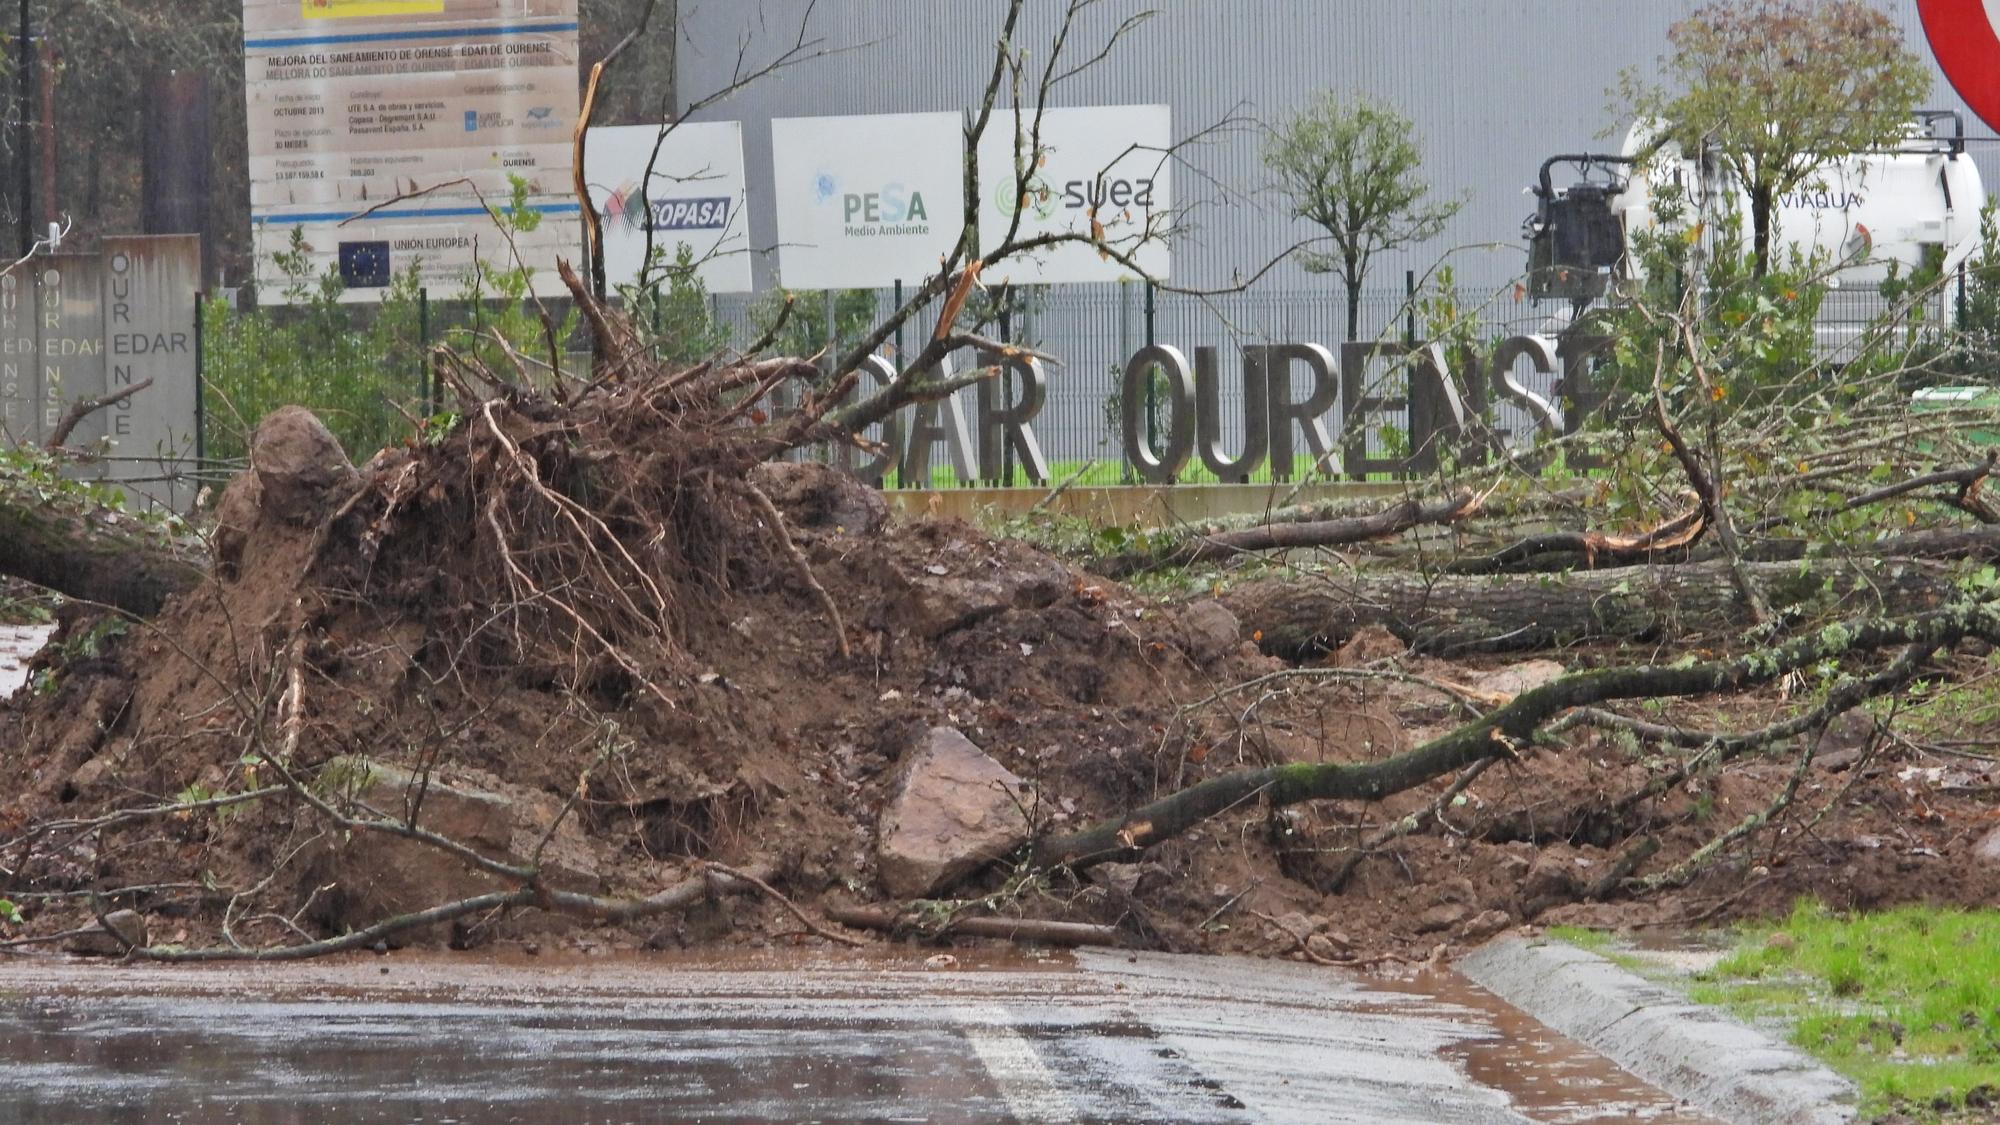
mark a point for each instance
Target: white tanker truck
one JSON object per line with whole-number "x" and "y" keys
{"x": 1918, "y": 202}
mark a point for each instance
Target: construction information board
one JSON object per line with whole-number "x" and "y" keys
{"x": 383, "y": 130}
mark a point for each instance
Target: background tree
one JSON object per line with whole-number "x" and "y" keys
{"x": 1351, "y": 167}
{"x": 1780, "y": 90}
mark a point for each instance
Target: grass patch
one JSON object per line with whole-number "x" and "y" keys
{"x": 1605, "y": 945}
{"x": 1597, "y": 941}
{"x": 1905, "y": 1002}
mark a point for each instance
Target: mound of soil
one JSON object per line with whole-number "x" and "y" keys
{"x": 607, "y": 651}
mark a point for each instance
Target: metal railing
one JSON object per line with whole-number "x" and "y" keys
{"x": 366, "y": 370}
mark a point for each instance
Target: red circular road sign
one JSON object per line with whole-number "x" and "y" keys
{"x": 1965, "y": 35}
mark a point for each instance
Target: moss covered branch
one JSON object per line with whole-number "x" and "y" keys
{"x": 1501, "y": 732}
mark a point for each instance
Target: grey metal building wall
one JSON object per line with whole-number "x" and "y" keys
{"x": 1493, "y": 86}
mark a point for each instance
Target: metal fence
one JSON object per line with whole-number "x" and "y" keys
{"x": 364, "y": 368}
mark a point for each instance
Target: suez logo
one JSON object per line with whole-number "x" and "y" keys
{"x": 1114, "y": 192}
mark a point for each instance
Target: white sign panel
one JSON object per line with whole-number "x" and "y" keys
{"x": 864, "y": 202}
{"x": 355, "y": 105}
{"x": 150, "y": 286}
{"x": 696, "y": 200}
{"x": 1109, "y": 164}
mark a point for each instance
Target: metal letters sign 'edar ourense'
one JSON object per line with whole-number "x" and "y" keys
{"x": 1965, "y": 36}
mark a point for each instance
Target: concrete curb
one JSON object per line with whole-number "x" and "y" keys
{"x": 1695, "y": 1053}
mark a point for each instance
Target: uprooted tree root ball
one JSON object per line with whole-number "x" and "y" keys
{"x": 580, "y": 664}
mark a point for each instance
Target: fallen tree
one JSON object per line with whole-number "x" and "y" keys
{"x": 54, "y": 534}
{"x": 1278, "y": 535}
{"x": 1301, "y": 616}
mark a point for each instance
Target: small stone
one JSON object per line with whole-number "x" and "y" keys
{"x": 1122, "y": 877}
{"x": 90, "y": 773}
{"x": 1551, "y": 881}
{"x": 1322, "y": 947}
{"x": 1295, "y": 923}
{"x": 1340, "y": 940}
{"x": 1368, "y": 645}
{"x": 1485, "y": 924}
{"x": 1211, "y": 631}
{"x": 1988, "y": 848}
{"x": 1517, "y": 678}
{"x": 935, "y": 606}
{"x": 1849, "y": 731}
{"x": 1442, "y": 917}
{"x": 120, "y": 931}
{"x": 128, "y": 925}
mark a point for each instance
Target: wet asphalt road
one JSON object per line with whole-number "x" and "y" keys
{"x": 1096, "y": 1037}
{"x": 17, "y": 644}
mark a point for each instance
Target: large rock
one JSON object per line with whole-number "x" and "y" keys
{"x": 375, "y": 875}
{"x": 300, "y": 468}
{"x": 953, "y": 810}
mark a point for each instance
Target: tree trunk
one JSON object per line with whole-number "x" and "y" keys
{"x": 1300, "y": 617}
{"x": 1760, "y": 230}
{"x": 100, "y": 557}
{"x": 1169, "y": 551}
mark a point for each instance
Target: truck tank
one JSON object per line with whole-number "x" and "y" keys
{"x": 1858, "y": 218}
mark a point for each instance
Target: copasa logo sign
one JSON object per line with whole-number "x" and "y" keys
{"x": 628, "y": 203}
{"x": 891, "y": 209}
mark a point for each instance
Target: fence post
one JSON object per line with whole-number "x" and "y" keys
{"x": 1152, "y": 394}
{"x": 425, "y": 378}
{"x": 899, "y": 324}
{"x": 200, "y": 383}
{"x": 1410, "y": 307}
{"x": 1958, "y": 323}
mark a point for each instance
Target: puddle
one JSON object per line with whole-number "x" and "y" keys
{"x": 17, "y": 644}
{"x": 1548, "y": 1076}
{"x": 884, "y": 1036}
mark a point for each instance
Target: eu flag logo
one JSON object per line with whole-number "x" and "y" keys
{"x": 364, "y": 265}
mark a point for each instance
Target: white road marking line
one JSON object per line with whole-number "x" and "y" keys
{"x": 1026, "y": 1084}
